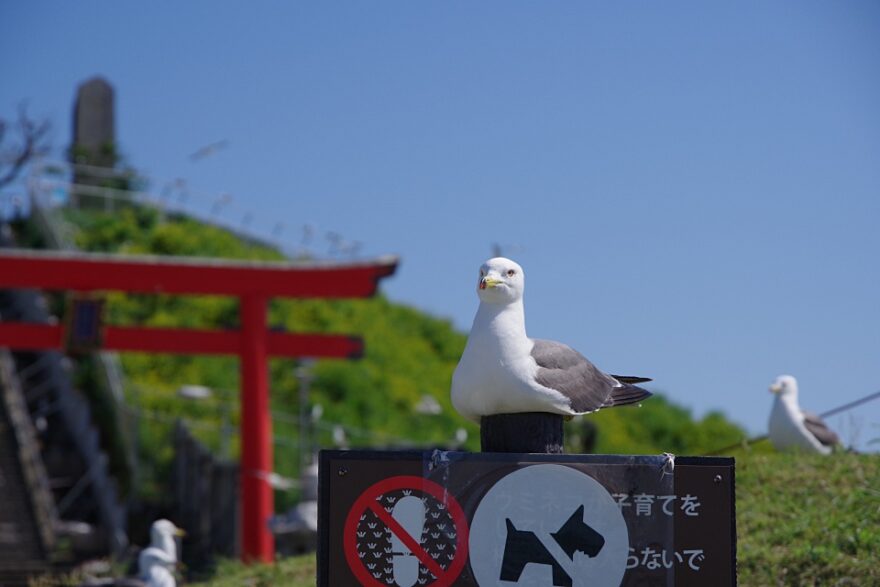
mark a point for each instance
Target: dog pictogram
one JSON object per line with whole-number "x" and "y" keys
{"x": 523, "y": 547}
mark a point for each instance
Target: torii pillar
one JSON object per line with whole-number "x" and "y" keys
{"x": 257, "y": 497}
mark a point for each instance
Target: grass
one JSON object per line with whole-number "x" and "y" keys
{"x": 801, "y": 520}
{"x": 298, "y": 571}
{"x": 808, "y": 520}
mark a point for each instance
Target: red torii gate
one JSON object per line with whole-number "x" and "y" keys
{"x": 253, "y": 283}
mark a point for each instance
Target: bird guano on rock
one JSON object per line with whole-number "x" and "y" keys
{"x": 503, "y": 371}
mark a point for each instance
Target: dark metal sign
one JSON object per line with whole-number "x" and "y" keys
{"x": 85, "y": 323}
{"x": 392, "y": 518}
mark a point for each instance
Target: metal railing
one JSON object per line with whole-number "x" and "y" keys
{"x": 54, "y": 186}
{"x": 34, "y": 472}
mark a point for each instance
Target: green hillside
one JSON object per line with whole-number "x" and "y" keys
{"x": 409, "y": 355}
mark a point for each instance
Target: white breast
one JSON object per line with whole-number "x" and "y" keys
{"x": 496, "y": 372}
{"x": 787, "y": 431}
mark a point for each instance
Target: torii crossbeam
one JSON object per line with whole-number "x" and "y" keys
{"x": 253, "y": 283}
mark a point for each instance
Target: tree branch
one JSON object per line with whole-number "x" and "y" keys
{"x": 33, "y": 144}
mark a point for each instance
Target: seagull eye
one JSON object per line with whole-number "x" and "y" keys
{"x": 511, "y": 272}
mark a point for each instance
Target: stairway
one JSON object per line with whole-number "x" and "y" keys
{"x": 84, "y": 490}
{"x": 21, "y": 551}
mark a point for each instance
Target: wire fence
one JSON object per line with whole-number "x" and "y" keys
{"x": 54, "y": 185}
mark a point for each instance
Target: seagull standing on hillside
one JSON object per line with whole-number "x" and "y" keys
{"x": 503, "y": 371}
{"x": 791, "y": 428}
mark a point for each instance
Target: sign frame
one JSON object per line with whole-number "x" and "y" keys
{"x": 698, "y": 475}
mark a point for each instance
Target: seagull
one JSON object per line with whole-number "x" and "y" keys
{"x": 791, "y": 428}
{"x": 503, "y": 371}
{"x": 157, "y": 562}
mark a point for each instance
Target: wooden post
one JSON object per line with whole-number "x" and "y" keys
{"x": 534, "y": 432}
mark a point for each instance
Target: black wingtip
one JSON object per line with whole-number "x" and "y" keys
{"x": 632, "y": 379}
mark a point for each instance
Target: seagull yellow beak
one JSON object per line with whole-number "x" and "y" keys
{"x": 179, "y": 532}
{"x": 489, "y": 282}
{"x": 775, "y": 388}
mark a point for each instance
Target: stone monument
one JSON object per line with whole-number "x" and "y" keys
{"x": 94, "y": 136}
{"x": 94, "y": 140}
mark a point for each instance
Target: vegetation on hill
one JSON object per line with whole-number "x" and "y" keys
{"x": 409, "y": 356}
{"x": 662, "y": 426}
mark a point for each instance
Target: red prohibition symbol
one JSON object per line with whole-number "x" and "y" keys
{"x": 441, "y": 549}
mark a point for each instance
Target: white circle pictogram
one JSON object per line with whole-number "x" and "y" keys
{"x": 548, "y": 525}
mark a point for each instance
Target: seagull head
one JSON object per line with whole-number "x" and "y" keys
{"x": 162, "y": 535}
{"x": 785, "y": 385}
{"x": 501, "y": 281}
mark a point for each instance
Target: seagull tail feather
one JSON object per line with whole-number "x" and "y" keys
{"x": 627, "y": 394}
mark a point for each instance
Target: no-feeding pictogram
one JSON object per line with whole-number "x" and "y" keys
{"x": 405, "y": 531}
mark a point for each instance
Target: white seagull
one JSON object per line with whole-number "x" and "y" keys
{"x": 157, "y": 562}
{"x": 503, "y": 371}
{"x": 791, "y": 428}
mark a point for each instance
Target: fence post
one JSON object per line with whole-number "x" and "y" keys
{"x": 532, "y": 432}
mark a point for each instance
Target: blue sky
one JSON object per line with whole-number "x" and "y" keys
{"x": 693, "y": 189}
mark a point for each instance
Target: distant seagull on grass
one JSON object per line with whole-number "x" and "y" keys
{"x": 157, "y": 562}
{"x": 503, "y": 371}
{"x": 791, "y": 428}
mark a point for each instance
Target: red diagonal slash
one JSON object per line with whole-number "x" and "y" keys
{"x": 408, "y": 541}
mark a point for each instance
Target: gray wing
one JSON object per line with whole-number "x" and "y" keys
{"x": 817, "y": 427}
{"x": 565, "y": 370}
